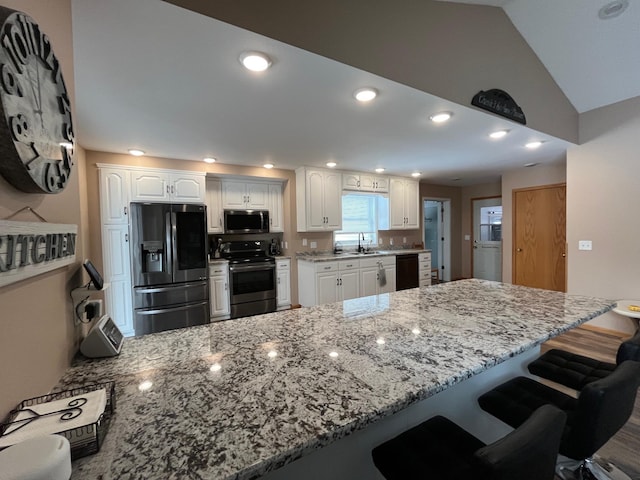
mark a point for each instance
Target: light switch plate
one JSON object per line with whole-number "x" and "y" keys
{"x": 467, "y": 237}
{"x": 304, "y": 242}
{"x": 314, "y": 244}
{"x": 585, "y": 245}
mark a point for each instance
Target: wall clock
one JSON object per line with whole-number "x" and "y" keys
{"x": 36, "y": 130}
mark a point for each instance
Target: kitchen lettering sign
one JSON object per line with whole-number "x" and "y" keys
{"x": 32, "y": 248}
{"x": 499, "y": 102}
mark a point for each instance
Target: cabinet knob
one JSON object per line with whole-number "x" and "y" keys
{"x": 518, "y": 249}
{"x": 125, "y": 210}
{"x": 126, "y": 237}
{"x": 168, "y": 189}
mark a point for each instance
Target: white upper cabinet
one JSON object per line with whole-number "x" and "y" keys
{"x": 245, "y": 195}
{"x": 149, "y": 185}
{"x": 214, "y": 206}
{"x": 276, "y": 213}
{"x": 318, "y": 199}
{"x": 114, "y": 196}
{"x": 362, "y": 182}
{"x": 404, "y": 204}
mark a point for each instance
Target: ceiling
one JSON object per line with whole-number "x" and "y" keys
{"x": 141, "y": 82}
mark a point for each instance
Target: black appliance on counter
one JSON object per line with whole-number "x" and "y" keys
{"x": 252, "y": 276}
{"x": 407, "y": 271}
{"x": 169, "y": 266}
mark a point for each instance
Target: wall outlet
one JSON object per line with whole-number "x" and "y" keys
{"x": 391, "y": 241}
{"x": 585, "y": 245}
{"x": 404, "y": 239}
{"x": 314, "y": 244}
{"x": 93, "y": 309}
{"x": 467, "y": 237}
{"x": 304, "y": 242}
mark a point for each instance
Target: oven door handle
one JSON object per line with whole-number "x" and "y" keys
{"x": 249, "y": 268}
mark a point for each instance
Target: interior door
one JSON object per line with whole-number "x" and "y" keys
{"x": 539, "y": 237}
{"x": 487, "y": 238}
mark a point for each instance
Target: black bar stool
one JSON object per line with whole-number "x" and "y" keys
{"x": 575, "y": 371}
{"x": 441, "y": 450}
{"x": 601, "y": 409}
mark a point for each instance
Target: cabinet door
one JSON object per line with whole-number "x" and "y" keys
{"x": 219, "y": 293}
{"x": 275, "y": 208}
{"x": 114, "y": 196}
{"x": 284, "y": 288}
{"x": 367, "y": 183}
{"x": 350, "y": 181}
{"x": 188, "y": 188}
{"x": 412, "y": 204}
{"x": 396, "y": 204}
{"x": 390, "y": 273}
{"x": 368, "y": 281}
{"x": 349, "y": 285}
{"x": 257, "y": 196}
{"x": 315, "y": 201}
{"x": 381, "y": 184}
{"x": 118, "y": 305}
{"x": 150, "y": 186}
{"x": 234, "y": 195}
{"x": 115, "y": 253}
{"x": 214, "y": 206}
{"x": 326, "y": 288}
{"x": 333, "y": 200}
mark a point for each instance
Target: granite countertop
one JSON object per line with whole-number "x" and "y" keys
{"x": 330, "y": 256}
{"x": 236, "y": 399}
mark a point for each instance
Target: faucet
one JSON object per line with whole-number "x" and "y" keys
{"x": 360, "y": 246}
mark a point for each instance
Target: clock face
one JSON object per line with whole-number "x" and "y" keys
{"x": 36, "y": 131}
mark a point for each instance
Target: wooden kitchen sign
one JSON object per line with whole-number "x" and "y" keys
{"x": 31, "y": 248}
{"x": 499, "y": 102}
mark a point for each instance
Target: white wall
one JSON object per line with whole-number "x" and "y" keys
{"x": 522, "y": 178}
{"x": 603, "y": 198}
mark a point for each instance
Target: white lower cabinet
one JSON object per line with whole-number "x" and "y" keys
{"x": 333, "y": 281}
{"x": 424, "y": 269}
{"x": 283, "y": 286}
{"x": 377, "y": 275}
{"x": 115, "y": 259}
{"x": 219, "y": 290}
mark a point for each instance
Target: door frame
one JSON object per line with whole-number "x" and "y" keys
{"x": 446, "y": 232}
{"x": 473, "y": 229}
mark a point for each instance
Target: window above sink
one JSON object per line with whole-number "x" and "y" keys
{"x": 359, "y": 217}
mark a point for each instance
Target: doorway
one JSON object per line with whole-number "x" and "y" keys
{"x": 437, "y": 236}
{"x": 539, "y": 237}
{"x": 486, "y": 254}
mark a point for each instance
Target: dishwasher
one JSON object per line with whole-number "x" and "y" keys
{"x": 407, "y": 271}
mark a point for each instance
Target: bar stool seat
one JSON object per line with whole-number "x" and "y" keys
{"x": 575, "y": 371}
{"x": 440, "y": 449}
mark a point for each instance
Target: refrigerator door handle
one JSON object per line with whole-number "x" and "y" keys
{"x": 169, "y": 310}
{"x": 174, "y": 244}
{"x": 169, "y": 230}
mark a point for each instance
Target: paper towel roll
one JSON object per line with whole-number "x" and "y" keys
{"x": 40, "y": 458}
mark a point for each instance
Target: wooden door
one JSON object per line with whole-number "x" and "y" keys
{"x": 539, "y": 237}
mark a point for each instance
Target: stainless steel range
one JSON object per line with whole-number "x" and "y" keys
{"x": 252, "y": 277}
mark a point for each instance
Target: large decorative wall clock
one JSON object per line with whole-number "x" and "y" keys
{"x": 36, "y": 130}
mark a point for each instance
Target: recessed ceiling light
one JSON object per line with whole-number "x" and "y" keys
{"x": 255, "y": 61}
{"x": 379, "y": 170}
{"x": 532, "y": 164}
{"x": 613, "y": 9}
{"x": 209, "y": 160}
{"x": 365, "y": 94}
{"x": 498, "y": 134}
{"x": 415, "y": 174}
{"x": 135, "y": 152}
{"x": 440, "y": 117}
{"x": 331, "y": 164}
{"x": 533, "y": 145}
{"x": 268, "y": 165}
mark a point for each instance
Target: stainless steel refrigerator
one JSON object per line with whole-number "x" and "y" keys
{"x": 169, "y": 266}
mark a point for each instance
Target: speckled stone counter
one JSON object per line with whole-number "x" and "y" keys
{"x": 237, "y": 399}
{"x": 330, "y": 257}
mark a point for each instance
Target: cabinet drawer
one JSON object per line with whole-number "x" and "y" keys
{"x": 218, "y": 269}
{"x": 425, "y": 283}
{"x": 424, "y": 257}
{"x": 424, "y": 265}
{"x": 326, "y": 267}
{"x": 349, "y": 264}
{"x": 424, "y": 274}
{"x": 282, "y": 264}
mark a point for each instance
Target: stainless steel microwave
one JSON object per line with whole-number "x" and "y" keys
{"x": 246, "y": 221}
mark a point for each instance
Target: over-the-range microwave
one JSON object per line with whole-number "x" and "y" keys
{"x": 246, "y": 221}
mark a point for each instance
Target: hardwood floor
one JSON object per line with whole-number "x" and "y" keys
{"x": 624, "y": 448}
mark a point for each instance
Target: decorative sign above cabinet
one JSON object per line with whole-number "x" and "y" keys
{"x": 499, "y": 102}
{"x": 28, "y": 249}
{"x": 36, "y": 130}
